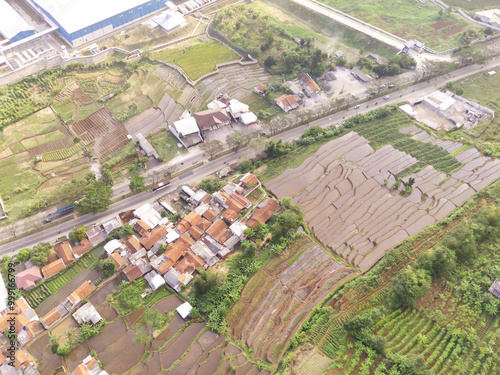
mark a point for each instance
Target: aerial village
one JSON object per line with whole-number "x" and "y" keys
{"x": 167, "y": 254}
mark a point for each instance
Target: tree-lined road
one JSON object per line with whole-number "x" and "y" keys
{"x": 408, "y": 94}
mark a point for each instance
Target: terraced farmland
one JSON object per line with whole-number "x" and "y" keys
{"x": 280, "y": 296}
{"x": 346, "y": 191}
{"x": 61, "y": 154}
{"x": 410, "y": 332}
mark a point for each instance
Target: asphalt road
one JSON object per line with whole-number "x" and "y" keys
{"x": 408, "y": 94}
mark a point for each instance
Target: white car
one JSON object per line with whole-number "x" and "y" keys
{"x": 386, "y": 97}
{"x": 356, "y": 106}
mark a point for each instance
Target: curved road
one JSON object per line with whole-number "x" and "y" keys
{"x": 408, "y": 94}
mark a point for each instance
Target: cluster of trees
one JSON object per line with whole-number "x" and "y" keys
{"x": 78, "y": 234}
{"x": 136, "y": 184}
{"x": 263, "y": 38}
{"x": 394, "y": 67}
{"x": 210, "y": 185}
{"x": 107, "y": 267}
{"x": 124, "y": 231}
{"x": 458, "y": 249}
{"x": 38, "y": 255}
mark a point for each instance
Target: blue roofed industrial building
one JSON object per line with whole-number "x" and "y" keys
{"x": 81, "y": 21}
{"x": 12, "y": 25}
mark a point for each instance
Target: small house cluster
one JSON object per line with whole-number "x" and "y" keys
{"x": 172, "y": 253}
{"x": 65, "y": 254}
{"x": 221, "y": 111}
{"x": 302, "y": 86}
{"x": 69, "y": 304}
{"x": 22, "y": 321}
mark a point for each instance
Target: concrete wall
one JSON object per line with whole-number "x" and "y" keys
{"x": 50, "y": 63}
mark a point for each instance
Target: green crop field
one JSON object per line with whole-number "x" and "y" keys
{"x": 43, "y": 138}
{"x": 61, "y": 154}
{"x": 427, "y": 22}
{"x": 452, "y": 328}
{"x": 37, "y": 295}
{"x": 198, "y": 59}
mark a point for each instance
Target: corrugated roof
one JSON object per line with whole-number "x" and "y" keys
{"x": 11, "y": 22}
{"x": 186, "y": 126}
{"x": 74, "y": 15}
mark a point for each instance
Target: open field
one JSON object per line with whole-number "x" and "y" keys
{"x": 144, "y": 38}
{"x": 197, "y": 57}
{"x": 346, "y": 190}
{"x": 281, "y": 295}
{"x": 330, "y": 36}
{"x": 473, "y": 5}
{"x": 410, "y": 19}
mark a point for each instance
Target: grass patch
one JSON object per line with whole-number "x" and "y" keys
{"x": 483, "y": 88}
{"x": 293, "y": 159}
{"x": 474, "y": 5}
{"x": 337, "y": 35}
{"x": 44, "y": 138}
{"x": 297, "y": 256}
{"x": 165, "y": 144}
{"x": 198, "y": 59}
{"x": 87, "y": 111}
{"x": 16, "y": 147}
{"x": 41, "y": 122}
{"x": 65, "y": 110}
{"x": 437, "y": 28}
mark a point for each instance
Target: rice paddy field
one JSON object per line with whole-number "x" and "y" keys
{"x": 348, "y": 193}
{"x": 278, "y": 298}
{"x": 197, "y": 57}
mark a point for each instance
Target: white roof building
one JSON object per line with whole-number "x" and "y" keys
{"x": 148, "y": 214}
{"x": 184, "y": 309}
{"x": 87, "y": 314}
{"x": 408, "y": 110}
{"x": 248, "y": 118}
{"x": 12, "y": 25}
{"x": 439, "y": 100}
{"x": 170, "y": 21}
{"x": 237, "y": 228}
{"x": 111, "y": 246}
{"x": 186, "y": 126}
{"x": 154, "y": 280}
{"x": 74, "y": 15}
{"x": 187, "y": 131}
{"x": 237, "y": 108}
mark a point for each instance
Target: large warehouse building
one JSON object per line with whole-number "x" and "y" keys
{"x": 81, "y": 21}
{"x": 12, "y": 25}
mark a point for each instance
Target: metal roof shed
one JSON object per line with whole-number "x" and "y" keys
{"x": 12, "y": 25}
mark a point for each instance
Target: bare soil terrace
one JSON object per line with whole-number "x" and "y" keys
{"x": 345, "y": 190}
{"x": 280, "y": 296}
